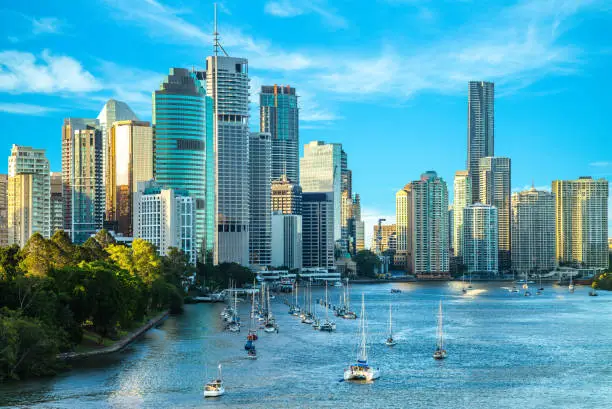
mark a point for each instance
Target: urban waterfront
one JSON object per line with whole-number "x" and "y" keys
{"x": 505, "y": 350}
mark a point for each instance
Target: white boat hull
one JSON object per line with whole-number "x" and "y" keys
{"x": 269, "y": 329}
{"x": 214, "y": 393}
{"x": 368, "y": 374}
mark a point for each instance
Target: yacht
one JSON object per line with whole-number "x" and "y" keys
{"x": 362, "y": 371}
{"x": 390, "y": 340}
{"x": 215, "y": 387}
{"x": 440, "y": 352}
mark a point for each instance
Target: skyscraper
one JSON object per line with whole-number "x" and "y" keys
{"x": 404, "y": 220}
{"x": 318, "y": 230}
{"x": 111, "y": 112}
{"x": 495, "y": 190}
{"x": 86, "y": 185}
{"x": 29, "y": 194}
{"x": 286, "y": 240}
{"x": 320, "y": 171}
{"x": 462, "y": 191}
{"x": 481, "y": 129}
{"x": 227, "y": 81}
{"x": 279, "y": 115}
{"x": 165, "y": 218}
{"x": 3, "y": 210}
{"x": 480, "y": 238}
{"x": 533, "y": 231}
{"x": 70, "y": 126}
{"x": 129, "y": 161}
{"x": 182, "y": 118}
{"x": 388, "y": 238}
{"x": 57, "y": 203}
{"x": 260, "y": 232}
{"x": 286, "y": 196}
{"x": 581, "y": 221}
{"x": 430, "y": 225}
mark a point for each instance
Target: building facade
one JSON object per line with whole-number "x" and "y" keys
{"x": 318, "y": 230}
{"x": 3, "y": 210}
{"x": 387, "y": 236}
{"x": 166, "y": 218}
{"x": 495, "y": 190}
{"x": 481, "y": 129}
{"x": 533, "y": 231}
{"x": 404, "y": 226}
{"x": 129, "y": 160}
{"x": 480, "y": 252}
{"x": 29, "y": 194}
{"x": 260, "y": 232}
{"x": 227, "y": 82}
{"x": 182, "y": 120}
{"x": 462, "y": 190}
{"x": 111, "y": 112}
{"x": 286, "y": 196}
{"x": 430, "y": 248}
{"x": 56, "y": 203}
{"x": 279, "y": 116}
{"x": 581, "y": 221}
{"x": 286, "y": 240}
{"x": 320, "y": 171}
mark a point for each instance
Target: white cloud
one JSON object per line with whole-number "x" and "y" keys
{"x": 600, "y": 164}
{"x": 290, "y": 8}
{"x": 25, "y": 109}
{"x": 46, "y": 25}
{"x": 23, "y": 72}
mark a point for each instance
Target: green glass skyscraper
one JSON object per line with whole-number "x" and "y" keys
{"x": 182, "y": 116}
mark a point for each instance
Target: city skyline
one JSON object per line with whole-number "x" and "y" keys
{"x": 525, "y": 83}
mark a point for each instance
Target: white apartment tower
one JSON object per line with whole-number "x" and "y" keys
{"x": 480, "y": 238}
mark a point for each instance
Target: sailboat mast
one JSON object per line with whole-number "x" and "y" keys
{"x": 326, "y": 303}
{"x": 390, "y": 321}
{"x": 440, "y": 330}
{"x": 363, "y": 347}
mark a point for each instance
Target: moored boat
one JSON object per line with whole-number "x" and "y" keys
{"x": 215, "y": 387}
{"x": 440, "y": 352}
{"x": 362, "y": 371}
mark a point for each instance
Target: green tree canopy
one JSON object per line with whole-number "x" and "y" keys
{"x": 367, "y": 263}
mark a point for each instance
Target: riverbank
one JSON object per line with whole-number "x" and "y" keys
{"x": 120, "y": 344}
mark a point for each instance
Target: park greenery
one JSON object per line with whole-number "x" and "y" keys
{"x": 55, "y": 296}
{"x": 367, "y": 262}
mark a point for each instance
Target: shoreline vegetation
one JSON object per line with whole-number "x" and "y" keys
{"x": 58, "y": 299}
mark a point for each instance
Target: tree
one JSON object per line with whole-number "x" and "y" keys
{"x": 10, "y": 257}
{"x": 175, "y": 266}
{"x": 92, "y": 250}
{"x": 122, "y": 256}
{"x": 147, "y": 263}
{"x": 37, "y": 256}
{"x": 104, "y": 238}
{"x": 239, "y": 274}
{"x": 367, "y": 262}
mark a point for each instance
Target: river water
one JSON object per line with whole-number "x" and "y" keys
{"x": 505, "y": 351}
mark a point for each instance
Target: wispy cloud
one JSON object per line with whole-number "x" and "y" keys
{"x": 25, "y": 109}
{"x": 23, "y": 72}
{"x": 600, "y": 164}
{"x": 291, "y": 8}
{"x": 46, "y": 25}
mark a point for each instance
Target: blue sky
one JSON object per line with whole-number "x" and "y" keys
{"x": 386, "y": 78}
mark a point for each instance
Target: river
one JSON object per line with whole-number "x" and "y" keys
{"x": 505, "y": 351}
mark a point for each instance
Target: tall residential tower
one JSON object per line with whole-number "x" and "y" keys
{"x": 481, "y": 129}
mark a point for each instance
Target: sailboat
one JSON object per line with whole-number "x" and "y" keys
{"x": 252, "y": 336}
{"x": 296, "y": 308}
{"x": 541, "y": 287}
{"x": 270, "y": 324}
{"x": 526, "y": 286}
{"x": 571, "y": 284}
{"x": 463, "y": 289}
{"x": 390, "y": 340}
{"x": 307, "y": 316}
{"x": 440, "y": 352}
{"x": 215, "y": 387}
{"x": 362, "y": 371}
{"x": 348, "y": 314}
{"x": 234, "y": 321}
{"x": 327, "y": 325}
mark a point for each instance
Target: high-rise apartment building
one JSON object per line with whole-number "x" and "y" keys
{"x": 111, "y": 112}
{"x": 260, "y": 232}
{"x": 480, "y": 252}
{"x": 320, "y": 171}
{"x": 404, "y": 225}
{"x": 388, "y": 238}
{"x": 481, "y": 129}
{"x": 495, "y": 190}
{"x": 318, "y": 230}
{"x": 165, "y": 218}
{"x": 359, "y": 236}
{"x": 56, "y": 203}
{"x": 129, "y": 160}
{"x": 182, "y": 120}
{"x": 286, "y": 196}
{"x": 227, "y": 81}
{"x": 69, "y": 128}
{"x": 462, "y": 190}
{"x": 29, "y": 194}
{"x": 581, "y": 221}
{"x": 279, "y": 116}
{"x": 3, "y": 210}
{"x": 430, "y": 248}
{"x": 533, "y": 231}
{"x": 286, "y": 240}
